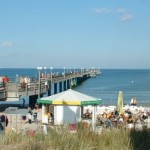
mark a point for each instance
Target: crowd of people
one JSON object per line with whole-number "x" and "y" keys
{"x": 24, "y": 81}
{"x": 4, "y": 80}
{"x": 32, "y": 114}
{"x": 130, "y": 119}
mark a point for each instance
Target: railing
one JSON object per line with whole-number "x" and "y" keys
{"x": 19, "y": 88}
{"x": 2, "y": 91}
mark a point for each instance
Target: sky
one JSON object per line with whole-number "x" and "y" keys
{"x": 107, "y": 34}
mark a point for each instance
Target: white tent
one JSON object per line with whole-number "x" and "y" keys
{"x": 67, "y": 106}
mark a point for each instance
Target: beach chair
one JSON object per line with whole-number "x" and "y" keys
{"x": 72, "y": 127}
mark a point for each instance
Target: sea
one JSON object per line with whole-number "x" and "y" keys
{"x": 134, "y": 83}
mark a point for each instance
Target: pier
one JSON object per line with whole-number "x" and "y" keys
{"x": 47, "y": 84}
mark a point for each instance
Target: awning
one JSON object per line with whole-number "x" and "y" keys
{"x": 70, "y": 97}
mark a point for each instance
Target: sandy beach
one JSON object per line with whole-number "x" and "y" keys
{"x": 18, "y": 124}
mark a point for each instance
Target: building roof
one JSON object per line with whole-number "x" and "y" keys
{"x": 16, "y": 111}
{"x": 70, "y": 97}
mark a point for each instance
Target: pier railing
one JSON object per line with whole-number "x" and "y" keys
{"x": 18, "y": 88}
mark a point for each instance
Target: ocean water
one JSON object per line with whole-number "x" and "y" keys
{"x": 133, "y": 84}
{"x": 106, "y": 86}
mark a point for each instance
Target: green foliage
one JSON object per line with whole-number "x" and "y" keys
{"x": 140, "y": 139}
{"x": 60, "y": 138}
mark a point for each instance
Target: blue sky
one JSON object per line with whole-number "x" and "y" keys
{"x": 75, "y": 33}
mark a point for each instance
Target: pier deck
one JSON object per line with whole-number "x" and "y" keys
{"x": 42, "y": 85}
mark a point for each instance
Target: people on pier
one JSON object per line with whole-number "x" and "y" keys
{"x": 4, "y": 79}
{"x": 1, "y": 80}
{"x": 28, "y": 82}
{"x": 24, "y": 82}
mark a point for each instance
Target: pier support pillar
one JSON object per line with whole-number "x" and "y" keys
{"x": 71, "y": 83}
{"x": 65, "y": 85}
{"x": 55, "y": 88}
{"x": 49, "y": 92}
{"x": 33, "y": 100}
{"x": 68, "y": 84}
{"x": 60, "y": 86}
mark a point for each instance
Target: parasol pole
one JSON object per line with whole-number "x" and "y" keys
{"x": 94, "y": 118}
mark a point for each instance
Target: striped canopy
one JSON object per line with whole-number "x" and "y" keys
{"x": 69, "y": 97}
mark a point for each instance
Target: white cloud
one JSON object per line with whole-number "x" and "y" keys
{"x": 126, "y": 17}
{"x": 7, "y": 44}
{"x": 102, "y": 10}
{"x": 124, "y": 14}
{"x": 121, "y": 10}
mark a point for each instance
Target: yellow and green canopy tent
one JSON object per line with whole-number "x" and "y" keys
{"x": 69, "y": 97}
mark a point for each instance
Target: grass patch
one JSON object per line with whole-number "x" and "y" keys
{"x": 61, "y": 139}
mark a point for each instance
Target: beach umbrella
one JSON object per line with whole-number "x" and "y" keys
{"x": 120, "y": 102}
{"x": 70, "y": 97}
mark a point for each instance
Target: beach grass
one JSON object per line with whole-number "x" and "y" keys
{"x": 61, "y": 139}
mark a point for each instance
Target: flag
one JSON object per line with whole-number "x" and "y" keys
{"x": 120, "y": 102}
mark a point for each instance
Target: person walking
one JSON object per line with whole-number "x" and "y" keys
{"x": 4, "y": 120}
{"x": 23, "y": 104}
{"x": 35, "y": 115}
{"x": 30, "y": 116}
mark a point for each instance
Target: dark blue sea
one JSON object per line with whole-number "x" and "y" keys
{"x": 134, "y": 83}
